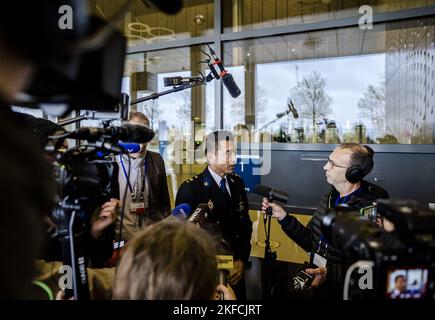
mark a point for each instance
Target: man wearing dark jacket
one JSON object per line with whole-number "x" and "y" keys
{"x": 219, "y": 185}
{"x": 147, "y": 198}
{"x": 348, "y": 164}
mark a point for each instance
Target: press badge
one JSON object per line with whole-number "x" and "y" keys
{"x": 319, "y": 257}
{"x": 137, "y": 207}
{"x": 319, "y": 261}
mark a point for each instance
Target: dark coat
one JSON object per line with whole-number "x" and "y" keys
{"x": 308, "y": 237}
{"x": 230, "y": 215}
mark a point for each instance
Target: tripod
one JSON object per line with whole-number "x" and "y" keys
{"x": 71, "y": 225}
{"x": 269, "y": 258}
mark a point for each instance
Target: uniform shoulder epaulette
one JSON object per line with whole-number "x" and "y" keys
{"x": 192, "y": 179}
{"x": 235, "y": 174}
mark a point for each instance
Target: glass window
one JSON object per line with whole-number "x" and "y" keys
{"x": 346, "y": 85}
{"x": 243, "y": 15}
{"x": 182, "y": 118}
{"x": 146, "y": 25}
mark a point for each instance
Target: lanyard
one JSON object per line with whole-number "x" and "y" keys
{"x": 322, "y": 246}
{"x": 337, "y": 201}
{"x": 126, "y": 175}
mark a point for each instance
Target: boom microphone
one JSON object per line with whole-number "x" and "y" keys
{"x": 292, "y": 108}
{"x": 227, "y": 78}
{"x": 231, "y": 85}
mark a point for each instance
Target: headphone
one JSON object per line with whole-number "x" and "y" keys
{"x": 365, "y": 164}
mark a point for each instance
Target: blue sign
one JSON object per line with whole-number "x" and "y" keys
{"x": 245, "y": 168}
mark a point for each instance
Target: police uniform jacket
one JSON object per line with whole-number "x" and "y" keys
{"x": 229, "y": 214}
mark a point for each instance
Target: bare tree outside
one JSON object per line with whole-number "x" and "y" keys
{"x": 153, "y": 111}
{"x": 372, "y": 106}
{"x": 237, "y": 111}
{"x": 310, "y": 95}
{"x": 260, "y": 105}
{"x": 184, "y": 111}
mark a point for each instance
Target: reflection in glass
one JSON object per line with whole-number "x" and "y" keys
{"x": 244, "y": 15}
{"x": 347, "y": 85}
{"x": 146, "y": 25}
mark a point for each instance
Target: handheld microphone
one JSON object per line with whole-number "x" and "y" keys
{"x": 128, "y": 147}
{"x": 271, "y": 194}
{"x": 176, "y": 81}
{"x": 227, "y": 78}
{"x": 126, "y": 133}
{"x": 201, "y": 213}
{"x": 181, "y": 211}
{"x": 225, "y": 263}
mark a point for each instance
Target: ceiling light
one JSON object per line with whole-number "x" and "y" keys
{"x": 199, "y": 19}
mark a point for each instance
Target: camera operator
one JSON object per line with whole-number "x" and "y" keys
{"x": 147, "y": 198}
{"x": 348, "y": 164}
{"x": 170, "y": 260}
{"x": 27, "y": 188}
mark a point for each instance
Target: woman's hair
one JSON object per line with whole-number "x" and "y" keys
{"x": 168, "y": 260}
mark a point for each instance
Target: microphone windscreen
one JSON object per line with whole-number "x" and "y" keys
{"x": 182, "y": 211}
{"x": 130, "y": 147}
{"x": 262, "y": 190}
{"x": 267, "y": 192}
{"x": 137, "y": 133}
{"x": 231, "y": 85}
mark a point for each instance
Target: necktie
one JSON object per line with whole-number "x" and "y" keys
{"x": 223, "y": 186}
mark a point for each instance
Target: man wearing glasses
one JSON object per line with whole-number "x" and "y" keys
{"x": 345, "y": 169}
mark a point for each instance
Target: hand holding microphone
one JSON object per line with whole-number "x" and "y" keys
{"x": 225, "y": 266}
{"x": 270, "y": 195}
{"x": 236, "y": 273}
{"x": 225, "y": 293}
{"x": 277, "y": 211}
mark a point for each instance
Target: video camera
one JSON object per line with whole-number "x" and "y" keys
{"x": 86, "y": 179}
{"x": 398, "y": 264}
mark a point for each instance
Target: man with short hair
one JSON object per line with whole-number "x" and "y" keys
{"x": 345, "y": 169}
{"x": 219, "y": 185}
{"x": 400, "y": 290}
{"x": 147, "y": 199}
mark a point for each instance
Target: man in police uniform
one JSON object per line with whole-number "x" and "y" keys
{"x": 219, "y": 185}
{"x": 345, "y": 169}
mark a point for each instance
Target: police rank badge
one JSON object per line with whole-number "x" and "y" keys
{"x": 241, "y": 206}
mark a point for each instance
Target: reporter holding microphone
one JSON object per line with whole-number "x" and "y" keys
{"x": 345, "y": 169}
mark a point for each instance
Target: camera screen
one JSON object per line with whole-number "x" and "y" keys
{"x": 407, "y": 283}
{"x": 370, "y": 212}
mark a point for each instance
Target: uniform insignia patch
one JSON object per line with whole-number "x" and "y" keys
{"x": 241, "y": 206}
